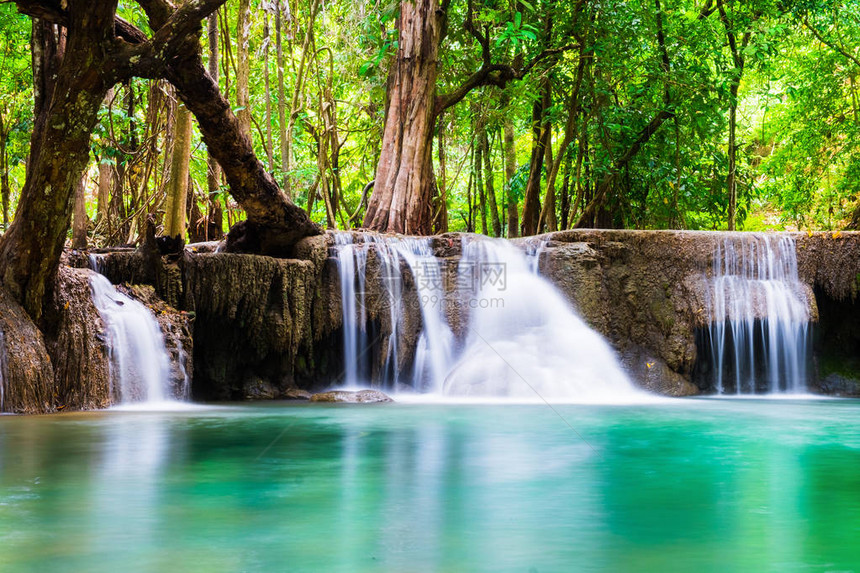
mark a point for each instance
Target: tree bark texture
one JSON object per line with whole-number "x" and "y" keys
{"x": 405, "y": 183}
{"x": 177, "y": 187}
{"x": 30, "y": 250}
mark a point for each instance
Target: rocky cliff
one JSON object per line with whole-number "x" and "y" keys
{"x": 264, "y": 327}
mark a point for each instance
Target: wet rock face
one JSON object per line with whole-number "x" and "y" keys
{"x": 643, "y": 291}
{"x": 360, "y": 397}
{"x": 77, "y": 344}
{"x": 27, "y": 374}
{"x": 265, "y": 327}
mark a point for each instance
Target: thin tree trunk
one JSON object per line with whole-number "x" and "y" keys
{"x": 243, "y": 66}
{"x": 547, "y": 220}
{"x": 440, "y": 218}
{"x": 105, "y": 182}
{"x": 488, "y": 178}
{"x": 177, "y": 188}
{"x": 565, "y": 190}
{"x": 540, "y": 131}
{"x": 510, "y": 172}
{"x": 80, "y": 220}
{"x": 5, "y": 191}
{"x": 478, "y": 170}
{"x": 298, "y": 90}
{"x": 738, "y": 58}
{"x": 213, "y": 170}
{"x": 266, "y": 39}
{"x": 282, "y": 99}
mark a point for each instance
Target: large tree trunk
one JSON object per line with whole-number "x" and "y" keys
{"x": 405, "y": 183}
{"x": 274, "y": 223}
{"x": 30, "y": 250}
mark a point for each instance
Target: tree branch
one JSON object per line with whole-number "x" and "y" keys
{"x": 496, "y": 75}
{"x": 820, "y": 38}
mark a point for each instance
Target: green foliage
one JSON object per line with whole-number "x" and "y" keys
{"x": 798, "y": 123}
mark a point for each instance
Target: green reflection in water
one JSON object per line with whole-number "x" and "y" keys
{"x": 696, "y": 485}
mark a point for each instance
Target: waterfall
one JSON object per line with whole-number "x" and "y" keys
{"x": 139, "y": 362}
{"x": 759, "y": 316}
{"x": 521, "y": 340}
{"x": 435, "y": 343}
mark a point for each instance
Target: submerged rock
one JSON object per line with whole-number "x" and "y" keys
{"x": 344, "y": 396}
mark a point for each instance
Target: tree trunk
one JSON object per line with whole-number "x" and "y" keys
{"x": 540, "y": 133}
{"x": 268, "y": 94}
{"x": 510, "y": 172}
{"x": 488, "y": 178}
{"x": 282, "y": 100}
{"x": 274, "y": 223}
{"x": 440, "y": 218}
{"x": 478, "y": 170}
{"x": 80, "y": 221}
{"x": 177, "y": 187}
{"x": 30, "y": 250}
{"x": 405, "y": 183}
{"x": 105, "y": 176}
{"x": 5, "y": 191}
{"x": 547, "y": 221}
{"x": 243, "y": 66}
{"x": 298, "y": 90}
{"x": 731, "y": 179}
{"x": 213, "y": 171}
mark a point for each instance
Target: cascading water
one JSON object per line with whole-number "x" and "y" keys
{"x": 435, "y": 344}
{"x": 139, "y": 362}
{"x": 522, "y": 339}
{"x": 759, "y": 316}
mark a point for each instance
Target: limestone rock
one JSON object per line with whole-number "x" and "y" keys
{"x": 343, "y": 396}
{"x": 297, "y": 394}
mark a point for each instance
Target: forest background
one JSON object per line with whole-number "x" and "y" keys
{"x": 618, "y": 114}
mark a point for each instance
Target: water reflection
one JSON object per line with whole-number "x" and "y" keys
{"x": 704, "y": 485}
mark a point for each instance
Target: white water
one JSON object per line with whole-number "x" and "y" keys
{"x": 523, "y": 341}
{"x": 435, "y": 344}
{"x": 759, "y": 316}
{"x": 139, "y": 362}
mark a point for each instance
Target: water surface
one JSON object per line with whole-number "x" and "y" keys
{"x": 693, "y": 485}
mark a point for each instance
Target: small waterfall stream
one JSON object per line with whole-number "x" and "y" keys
{"x": 521, "y": 338}
{"x": 759, "y": 316}
{"x": 435, "y": 343}
{"x": 139, "y": 361}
